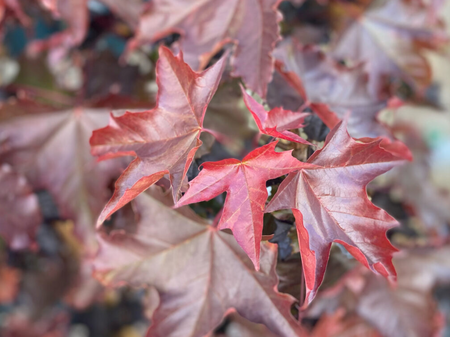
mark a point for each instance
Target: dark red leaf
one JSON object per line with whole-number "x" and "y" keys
{"x": 330, "y": 204}
{"x": 277, "y": 121}
{"x": 200, "y": 273}
{"x": 52, "y": 150}
{"x": 245, "y": 184}
{"x": 165, "y": 138}
{"x": 206, "y": 26}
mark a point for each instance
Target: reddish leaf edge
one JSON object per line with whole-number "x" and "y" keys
{"x": 274, "y": 132}
{"x": 206, "y": 57}
{"x": 116, "y": 202}
{"x": 396, "y": 148}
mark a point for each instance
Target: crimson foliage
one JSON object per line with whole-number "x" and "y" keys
{"x": 277, "y": 104}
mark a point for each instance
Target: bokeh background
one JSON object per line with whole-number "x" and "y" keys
{"x": 46, "y": 283}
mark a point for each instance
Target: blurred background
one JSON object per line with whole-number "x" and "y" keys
{"x": 62, "y": 72}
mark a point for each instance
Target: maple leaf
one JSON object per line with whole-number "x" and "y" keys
{"x": 277, "y": 121}
{"x": 409, "y": 309}
{"x": 19, "y": 324}
{"x": 16, "y": 9}
{"x": 19, "y": 209}
{"x": 414, "y": 184}
{"x": 338, "y": 325}
{"x": 389, "y": 38}
{"x": 207, "y": 25}
{"x": 330, "y": 204}
{"x": 76, "y": 14}
{"x": 200, "y": 273}
{"x": 245, "y": 184}
{"x": 329, "y": 89}
{"x": 165, "y": 138}
{"x": 52, "y": 150}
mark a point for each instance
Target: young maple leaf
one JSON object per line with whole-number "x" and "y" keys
{"x": 330, "y": 204}
{"x": 52, "y": 150}
{"x": 19, "y": 209}
{"x": 329, "y": 89}
{"x": 245, "y": 184}
{"x": 207, "y": 25}
{"x": 163, "y": 139}
{"x": 389, "y": 39}
{"x": 200, "y": 273}
{"x": 277, "y": 121}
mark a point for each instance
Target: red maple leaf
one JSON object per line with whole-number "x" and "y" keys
{"x": 245, "y": 184}
{"x": 331, "y": 90}
{"x": 76, "y": 14}
{"x": 330, "y": 204}
{"x": 389, "y": 38}
{"x": 52, "y": 151}
{"x": 16, "y": 10}
{"x": 195, "y": 268}
{"x": 277, "y": 121}
{"x": 206, "y": 26}
{"x": 165, "y": 138}
{"x": 409, "y": 309}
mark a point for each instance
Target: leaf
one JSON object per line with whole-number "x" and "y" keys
{"x": 200, "y": 273}
{"x": 19, "y": 324}
{"x": 337, "y": 325}
{"x": 414, "y": 184}
{"x": 128, "y": 11}
{"x": 389, "y": 39}
{"x": 207, "y": 25}
{"x": 76, "y": 14}
{"x": 328, "y": 87}
{"x": 277, "y": 121}
{"x": 16, "y": 9}
{"x": 408, "y": 310}
{"x": 245, "y": 184}
{"x": 19, "y": 209}
{"x": 165, "y": 138}
{"x": 52, "y": 150}
{"x": 330, "y": 204}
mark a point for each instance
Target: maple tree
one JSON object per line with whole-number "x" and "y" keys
{"x": 259, "y": 177}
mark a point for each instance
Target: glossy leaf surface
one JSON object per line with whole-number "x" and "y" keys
{"x": 207, "y": 25}
{"x": 330, "y": 204}
{"x": 163, "y": 139}
{"x": 52, "y": 150}
{"x": 195, "y": 269}
{"x": 277, "y": 121}
{"x": 245, "y": 184}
